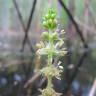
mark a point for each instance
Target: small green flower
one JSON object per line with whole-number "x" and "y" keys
{"x": 48, "y": 71}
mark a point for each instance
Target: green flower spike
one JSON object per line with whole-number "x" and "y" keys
{"x": 49, "y": 20}
{"x": 50, "y": 47}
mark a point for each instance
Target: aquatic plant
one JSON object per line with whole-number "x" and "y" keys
{"x": 51, "y": 48}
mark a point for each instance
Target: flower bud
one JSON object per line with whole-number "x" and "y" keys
{"x": 61, "y": 67}
{"x": 54, "y": 24}
{"x": 50, "y": 21}
{"x": 62, "y": 32}
{"x": 55, "y": 36}
{"x": 47, "y": 16}
{"x": 53, "y": 16}
{"x": 45, "y": 24}
{"x": 45, "y": 35}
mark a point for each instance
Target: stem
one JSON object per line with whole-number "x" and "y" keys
{"x": 50, "y": 57}
{"x": 49, "y": 81}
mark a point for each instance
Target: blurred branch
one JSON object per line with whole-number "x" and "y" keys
{"x": 26, "y": 39}
{"x": 74, "y": 22}
{"x": 22, "y": 23}
{"x": 28, "y": 25}
{"x": 31, "y": 80}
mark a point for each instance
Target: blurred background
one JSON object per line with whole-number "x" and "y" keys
{"x": 20, "y": 29}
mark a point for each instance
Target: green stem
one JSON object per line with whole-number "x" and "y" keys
{"x": 49, "y": 82}
{"x": 50, "y": 57}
